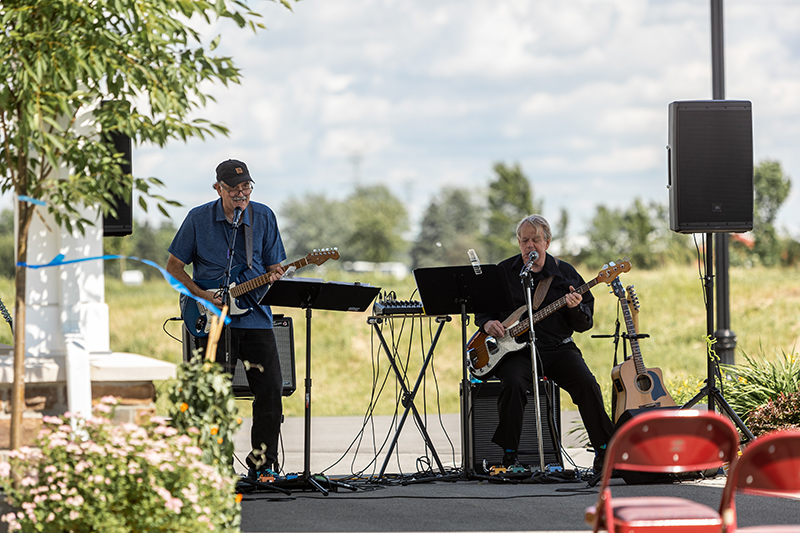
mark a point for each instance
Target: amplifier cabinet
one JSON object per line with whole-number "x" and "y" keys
{"x": 284, "y": 337}
{"x": 483, "y": 422}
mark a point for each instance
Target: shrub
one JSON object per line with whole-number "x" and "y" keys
{"x": 202, "y": 401}
{"x": 93, "y": 475}
{"x": 751, "y": 386}
{"x": 781, "y": 413}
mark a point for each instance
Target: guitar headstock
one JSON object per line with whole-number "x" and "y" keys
{"x": 616, "y": 286}
{"x": 632, "y": 298}
{"x": 612, "y": 270}
{"x": 318, "y": 257}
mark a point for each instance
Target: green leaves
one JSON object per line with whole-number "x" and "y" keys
{"x": 60, "y": 60}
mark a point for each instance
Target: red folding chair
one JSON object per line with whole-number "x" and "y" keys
{"x": 768, "y": 466}
{"x": 663, "y": 441}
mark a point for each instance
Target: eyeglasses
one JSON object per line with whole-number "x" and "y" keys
{"x": 245, "y": 189}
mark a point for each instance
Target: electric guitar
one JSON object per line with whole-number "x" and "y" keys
{"x": 196, "y": 316}
{"x": 484, "y": 352}
{"x": 633, "y": 385}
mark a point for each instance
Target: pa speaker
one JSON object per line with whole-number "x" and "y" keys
{"x": 284, "y": 338}
{"x": 710, "y": 166}
{"x": 484, "y": 418}
{"x": 121, "y": 224}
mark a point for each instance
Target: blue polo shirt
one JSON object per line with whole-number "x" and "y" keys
{"x": 203, "y": 240}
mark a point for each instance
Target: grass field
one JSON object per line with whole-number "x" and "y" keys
{"x": 350, "y": 373}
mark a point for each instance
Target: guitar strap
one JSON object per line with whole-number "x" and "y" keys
{"x": 541, "y": 291}
{"x": 248, "y": 238}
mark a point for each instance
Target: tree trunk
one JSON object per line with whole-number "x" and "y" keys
{"x": 18, "y": 388}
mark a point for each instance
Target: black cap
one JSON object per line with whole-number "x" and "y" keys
{"x": 233, "y": 172}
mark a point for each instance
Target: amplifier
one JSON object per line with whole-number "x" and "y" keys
{"x": 284, "y": 337}
{"x": 483, "y": 422}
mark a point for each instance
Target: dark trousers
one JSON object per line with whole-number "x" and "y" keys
{"x": 565, "y": 366}
{"x": 258, "y": 348}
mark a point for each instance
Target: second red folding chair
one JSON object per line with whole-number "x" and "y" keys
{"x": 666, "y": 441}
{"x": 769, "y": 466}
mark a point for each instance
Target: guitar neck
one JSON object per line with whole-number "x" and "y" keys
{"x": 541, "y": 314}
{"x": 631, "y": 327}
{"x": 263, "y": 279}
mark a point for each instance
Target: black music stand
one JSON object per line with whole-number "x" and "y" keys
{"x": 311, "y": 294}
{"x": 459, "y": 290}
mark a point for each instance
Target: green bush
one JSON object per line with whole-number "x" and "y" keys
{"x": 202, "y": 403}
{"x": 749, "y": 387}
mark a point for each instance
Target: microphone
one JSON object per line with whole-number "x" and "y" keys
{"x": 237, "y": 214}
{"x": 476, "y": 265}
{"x": 534, "y": 255}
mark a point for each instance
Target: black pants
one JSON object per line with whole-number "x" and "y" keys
{"x": 258, "y": 347}
{"x": 565, "y": 366}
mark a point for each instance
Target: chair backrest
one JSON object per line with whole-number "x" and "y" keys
{"x": 671, "y": 441}
{"x": 768, "y": 466}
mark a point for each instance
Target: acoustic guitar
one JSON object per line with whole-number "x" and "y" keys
{"x": 634, "y": 385}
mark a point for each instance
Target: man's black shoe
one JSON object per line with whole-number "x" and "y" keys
{"x": 510, "y": 458}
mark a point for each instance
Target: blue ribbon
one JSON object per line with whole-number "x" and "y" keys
{"x": 31, "y": 200}
{"x": 174, "y": 283}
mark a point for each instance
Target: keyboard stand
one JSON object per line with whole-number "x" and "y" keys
{"x": 408, "y": 395}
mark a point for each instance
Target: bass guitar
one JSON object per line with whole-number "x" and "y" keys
{"x": 195, "y": 315}
{"x": 484, "y": 352}
{"x": 633, "y": 385}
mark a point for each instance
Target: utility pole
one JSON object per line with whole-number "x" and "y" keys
{"x": 726, "y": 339}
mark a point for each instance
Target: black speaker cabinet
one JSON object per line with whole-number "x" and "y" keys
{"x": 121, "y": 224}
{"x": 483, "y": 422}
{"x": 284, "y": 337}
{"x": 710, "y": 166}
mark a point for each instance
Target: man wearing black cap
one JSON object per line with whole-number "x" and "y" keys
{"x": 203, "y": 240}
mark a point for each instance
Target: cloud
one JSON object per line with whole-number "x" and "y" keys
{"x": 418, "y": 95}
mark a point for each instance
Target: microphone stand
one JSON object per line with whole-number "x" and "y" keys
{"x": 225, "y": 289}
{"x": 527, "y": 281}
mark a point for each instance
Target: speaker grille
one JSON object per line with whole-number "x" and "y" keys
{"x": 484, "y": 422}
{"x": 284, "y": 338}
{"x": 711, "y": 166}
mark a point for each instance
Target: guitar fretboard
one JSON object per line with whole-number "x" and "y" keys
{"x": 543, "y": 313}
{"x": 263, "y": 279}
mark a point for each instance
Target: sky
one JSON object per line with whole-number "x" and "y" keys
{"x": 423, "y": 94}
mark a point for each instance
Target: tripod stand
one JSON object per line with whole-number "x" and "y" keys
{"x": 710, "y": 389}
{"x": 312, "y": 294}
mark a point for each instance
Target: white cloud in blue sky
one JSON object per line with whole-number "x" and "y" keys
{"x": 419, "y": 94}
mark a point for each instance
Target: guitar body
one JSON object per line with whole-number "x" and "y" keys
{"x": 197, "y": 318}
{"x": 484, "y": 352}
{"x": 635, "y": 390}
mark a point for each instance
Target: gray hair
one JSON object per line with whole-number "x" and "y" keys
{"x": 539, "y": 223}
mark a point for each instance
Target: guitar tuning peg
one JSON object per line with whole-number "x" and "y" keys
{"x": 605, "y": 266}
{"x": 612, "y": 263}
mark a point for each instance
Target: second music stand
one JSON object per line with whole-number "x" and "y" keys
{"x": 459, "y": 290}
{"x": 311, "y": 294}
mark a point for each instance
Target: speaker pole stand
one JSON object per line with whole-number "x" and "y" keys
{"x": 710, "y": 389}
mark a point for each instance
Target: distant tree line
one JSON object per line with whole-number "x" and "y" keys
{"x": 372, "y": 224}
